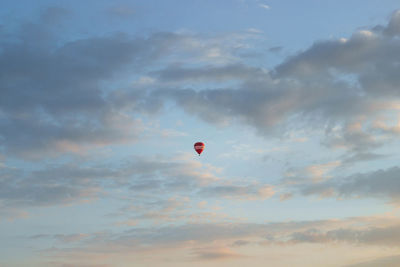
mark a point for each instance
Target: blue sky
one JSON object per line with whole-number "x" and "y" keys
{"x": 297, "y": 104}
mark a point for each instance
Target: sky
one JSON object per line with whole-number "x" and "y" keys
{"x": 297, "y": 102}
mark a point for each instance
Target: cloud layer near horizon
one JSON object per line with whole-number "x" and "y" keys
{"x": 219, "y": 242}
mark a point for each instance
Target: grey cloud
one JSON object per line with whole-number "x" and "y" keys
{"x": 262, "y": 109}
{"x": 157, "y": 178}
{"x": 387, "y": 236}
{"x": 157, "y": 209}
{"x": 240, "y": 243}
{"x": 52, "y": 98}
{"x": 39, "y": 236}
{"x": 361, "y": 156}
{"x": 381, "y": 184}
{"x": 355, "y": 139}
{"x": 215, "y": 254}
{"x": 333, "y": 81}
{"x": 71, "y": 238}
{"x": 196, "y": 238}
{"x": 357, "y": 142}
{"x": 393, "y": 27}
{"x": 209, "y": 73}
{"x": 63, "y": 238}
{"x": 62, "y": 184}
{"x": 207, "y": 233}
{"x": 275, "y": 49}
{"x": 11, "y": 214}
{"x": 279, "y": 233}
{"x": 21, "y": 190}
{"x": 266, "y": 104}
{"x": 349, "y": 56}
{"x": 203, "y": 233}
{"x": 249, "y": 192}
{"x": 367, "y": 55}
{"x": 48, "y": 98}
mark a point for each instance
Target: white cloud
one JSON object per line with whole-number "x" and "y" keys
{"x": 264, "y": 6}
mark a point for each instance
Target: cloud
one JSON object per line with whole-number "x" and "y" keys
{"x": 160, "y": 189}
{"x": 386, "y": 236}
{"x": 331, "y": 84}
{"x": 391, "y": 261}
{"x": 229, "y": 72}
{"x": 239, "y": 243}
{"x": 262, "y": 109}
{"x": 334, "y": 84}
{"x": 70, "y": 98}
{"x": 262, "y": 101}
{"x": 61, "y": 95}
{"x": 315, "y": 173}
{"x": 285, "y": 196}
{"x": 264, "y": 6}
{"x": 354, "y": 138}
{"x": 21, "y": 191}
{"x": 68, "y": 183}
{"x": 198, "y": 234}
{"x": 70, "y": 238}
{"x": 275, "y": 49}
{"x": 367, "y": 55}
{"x": 51, "y": 98}
{"x": 319, "y": 172}
{"x": 353, "y": 230}
{"x": 246, "y": 192}
{"x": 215, "y": 254}
{"x": 63, "y": 238}
{"x": 10, "y": 214}
{"x": 225, "y": 241}
{"x": 393, "y": 28}
{"x": 381, "y": 184}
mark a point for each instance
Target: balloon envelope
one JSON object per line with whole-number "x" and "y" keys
{"x": 199, "y": 147}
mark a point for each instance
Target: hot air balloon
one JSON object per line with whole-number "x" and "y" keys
{"x": 199, "y": 147}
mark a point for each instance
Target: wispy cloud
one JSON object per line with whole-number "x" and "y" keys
{"x": 215, "y": 253}
{"x": 381, "y": 184}
{"x": 230, "y": 240}
{"x": 246, "y": 192}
